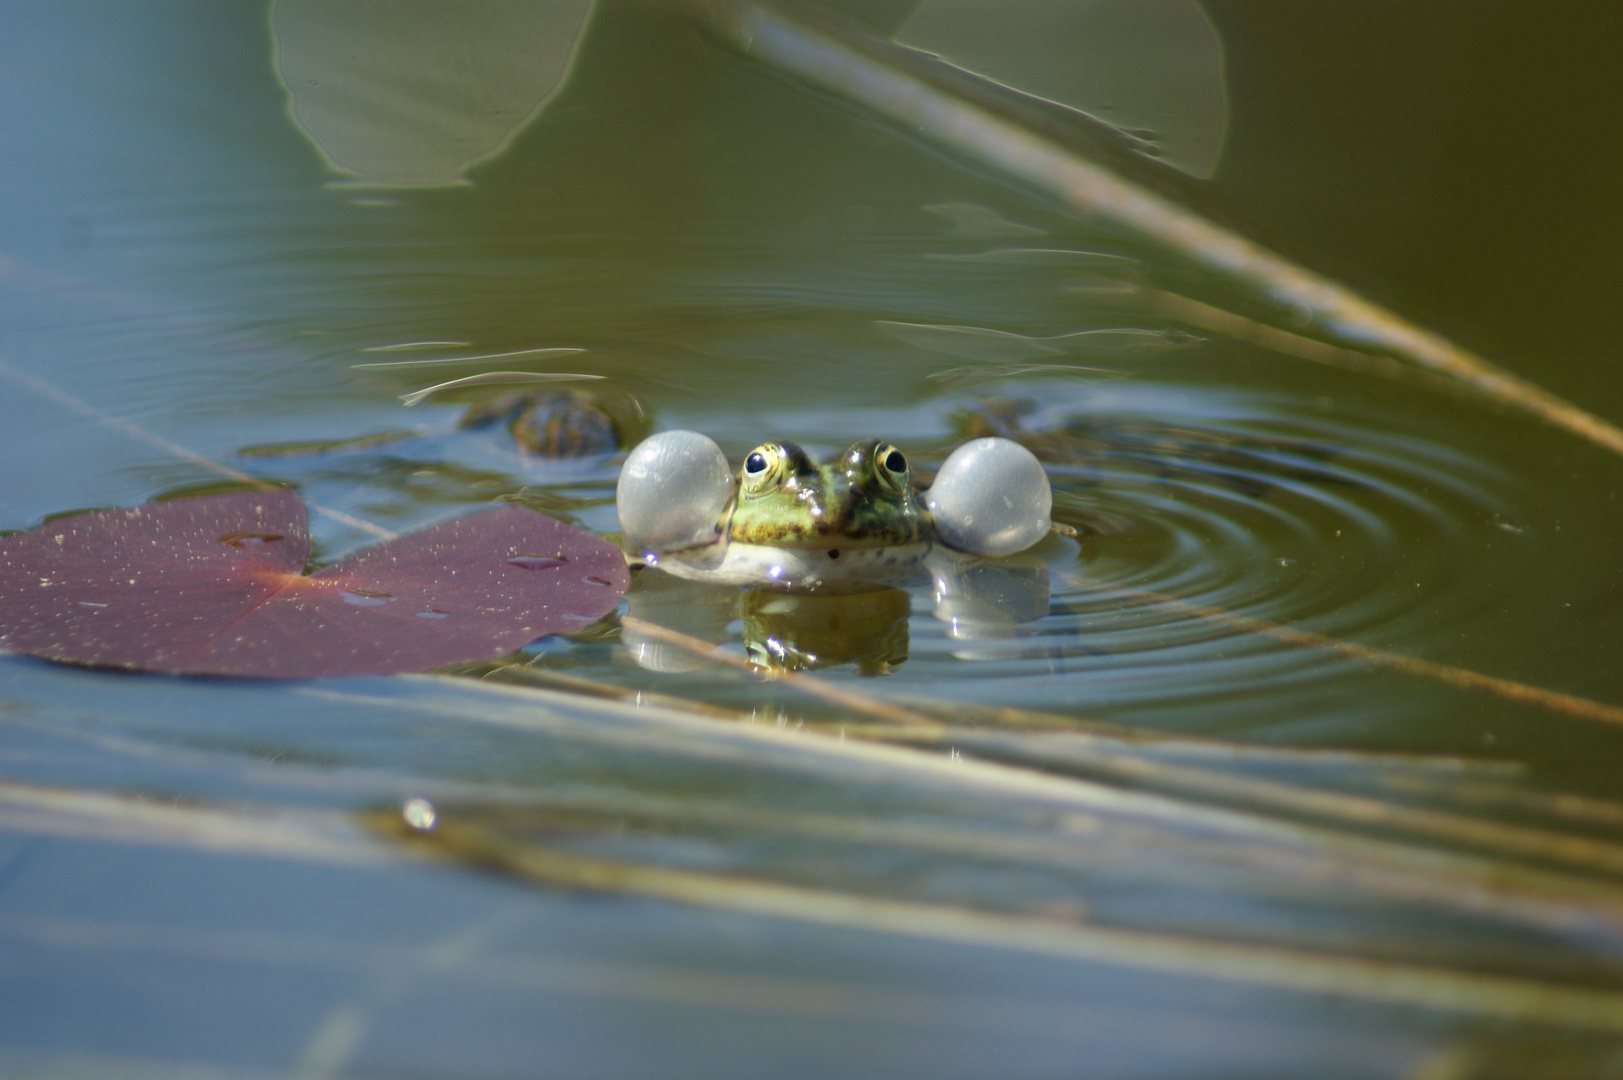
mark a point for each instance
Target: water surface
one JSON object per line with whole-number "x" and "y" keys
{"x": 751, "y": 260}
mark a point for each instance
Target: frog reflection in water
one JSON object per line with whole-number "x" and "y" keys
{"x": 820, "y": 538}
{"x": 800, "y": 631}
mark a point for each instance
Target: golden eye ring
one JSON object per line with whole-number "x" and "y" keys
{"x": 890, "y": 465}
{"x": 763, "y": 469}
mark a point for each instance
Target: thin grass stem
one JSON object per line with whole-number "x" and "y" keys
{"x": 900, "y": 85}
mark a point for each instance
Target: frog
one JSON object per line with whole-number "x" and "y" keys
{"x": 562, "y": 423}
{"x": 785, "y": 520}
{"x": 853, "y": 518}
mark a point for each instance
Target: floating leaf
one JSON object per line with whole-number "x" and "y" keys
{"x": 417, "y": 92}
{"x": 216, "y": 586}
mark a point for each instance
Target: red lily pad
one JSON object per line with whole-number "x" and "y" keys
{"x": 216, "y": 586}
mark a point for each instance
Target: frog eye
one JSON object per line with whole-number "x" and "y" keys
{"x": 891, "y": 466}
{"x": 763, "y": 467}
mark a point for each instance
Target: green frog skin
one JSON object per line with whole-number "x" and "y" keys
{"x": 795, "y": 523}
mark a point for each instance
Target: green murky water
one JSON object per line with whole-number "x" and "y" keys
{"x": 752, "y": 259}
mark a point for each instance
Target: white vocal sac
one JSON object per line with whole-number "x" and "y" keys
{"x": 673, "y": 489}
{"x": 991, "y": 497}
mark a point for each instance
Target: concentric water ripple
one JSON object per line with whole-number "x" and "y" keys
{"x": 1261, "y": 509}
{"x": 1195, "y": 509}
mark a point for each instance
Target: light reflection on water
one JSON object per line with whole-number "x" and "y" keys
{"x": 1306, "y": 520}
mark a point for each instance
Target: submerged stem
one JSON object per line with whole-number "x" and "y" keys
{"x": 1269, "y": 966}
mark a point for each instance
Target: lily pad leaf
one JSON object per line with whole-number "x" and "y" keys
{"x": 216, "y": 586}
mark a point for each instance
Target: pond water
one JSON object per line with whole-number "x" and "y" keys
{"x": 211, "y": 874}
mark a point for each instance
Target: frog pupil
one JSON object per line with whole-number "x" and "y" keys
{"x": 895, "y": 462}
{"x": 755, "y": 463}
